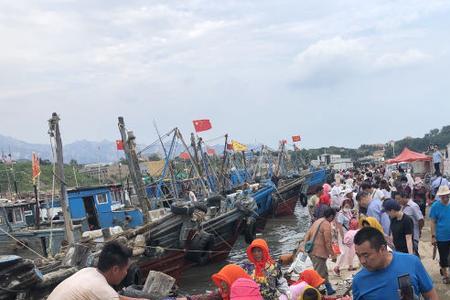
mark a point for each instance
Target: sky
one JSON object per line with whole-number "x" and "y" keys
{"x": 335, "y": 72}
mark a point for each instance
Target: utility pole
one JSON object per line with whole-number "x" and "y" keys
{"x": 56, "y": 134}
{"x": 129, "y": 147}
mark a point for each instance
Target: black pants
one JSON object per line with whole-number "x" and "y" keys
{"x": 444, "y": 251}
{"x": 416, "y": 248}
{"x": 423, "y": 207}
{"x": 437, "y": 168}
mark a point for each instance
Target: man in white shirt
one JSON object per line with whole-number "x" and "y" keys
{"x": 437, "y": 159}
{"x": 336, "y": 196}
{"x": 95, "y": 283}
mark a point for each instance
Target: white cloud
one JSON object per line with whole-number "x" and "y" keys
{"x": 333, "y": 60}
{"x": 209, "y": 56}
{"x": 407, "y": 58}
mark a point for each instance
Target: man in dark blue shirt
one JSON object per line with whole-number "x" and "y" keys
{"x": 379, "y": 279}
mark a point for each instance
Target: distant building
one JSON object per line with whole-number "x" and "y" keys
{"x": 335, "y": 161}
{"x": 446, "y": 164}
{"x": 105, "y": 171}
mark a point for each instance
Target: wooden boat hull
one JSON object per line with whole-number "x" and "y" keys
{"x": 286, "y": 207}
{"x": 165, "y": 236}
{"x": 286, "y": 197}
{"x": 316, "y": 179}
{"x": 38, "y": 240}
{"x": 226, "y": 229}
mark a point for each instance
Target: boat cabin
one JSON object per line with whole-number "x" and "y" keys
{"x": 17, "y": 214}
{"x": 103, "y": 207}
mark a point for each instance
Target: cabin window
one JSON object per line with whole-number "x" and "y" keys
{"x": 10, "y": 216}
{"x": 18, "y": 217}
{"x": 101, "y": 199}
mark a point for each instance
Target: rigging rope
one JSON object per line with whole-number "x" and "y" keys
{"x": 22, "y": 243}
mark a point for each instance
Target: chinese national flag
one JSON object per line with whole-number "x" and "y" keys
{"x": 202, "y": 125}
{"x": 35, "y": 167}
{"x": 119, "y": 145}
{"x": 229, "y": 146}
{"x": 296, "y": 138}
{"x": 184, "y": 155}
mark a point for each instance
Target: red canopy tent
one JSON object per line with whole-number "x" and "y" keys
{"x": 408, "y": 156}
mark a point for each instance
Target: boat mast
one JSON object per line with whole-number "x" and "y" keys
{"x": 129, "y": 148}
{"x": 56, "y": 134}
{"x": 222, "y": 168}
{"x": 196, "y": 168}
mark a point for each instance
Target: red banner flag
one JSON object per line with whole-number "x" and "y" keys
{"x": 296, "y": 138}
{"x": 119, "y": 145}
{"x": 202, "y": 125}
{"x": 211, "y": 152}
{"x": 36, "y": 169}
{"x": 229, "y": 146}
{"x": 184, "y": 155}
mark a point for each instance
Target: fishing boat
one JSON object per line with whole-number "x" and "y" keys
{"x": 287, "y": 194}
{"x": 19, "y": 234}
{"x": 317, "y": 178}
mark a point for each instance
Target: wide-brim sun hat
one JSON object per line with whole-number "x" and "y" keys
{"x": 443, "y": 190}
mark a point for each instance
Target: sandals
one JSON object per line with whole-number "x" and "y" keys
{"x": 445, "y": 279}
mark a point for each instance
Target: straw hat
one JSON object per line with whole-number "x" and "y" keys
{"x": 443, "y": 190}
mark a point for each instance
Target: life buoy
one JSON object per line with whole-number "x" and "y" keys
{"x": 199, "y": 248}
{"x": 250, "y": 230}
{"x": 303, "y": 199}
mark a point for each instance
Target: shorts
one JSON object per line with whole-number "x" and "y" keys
{"x": 320, "y": 266}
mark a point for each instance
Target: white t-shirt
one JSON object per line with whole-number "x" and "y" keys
{"x": 377, "y": 194}
{"x": 336, "y": 198}
{"x": 192, "y": 196}
{"x": 86, "y": 284}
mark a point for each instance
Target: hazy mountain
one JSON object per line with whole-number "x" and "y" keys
{"x": 83, "y": 151}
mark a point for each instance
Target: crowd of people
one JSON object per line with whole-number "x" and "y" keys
{"x": 373, "y": 214}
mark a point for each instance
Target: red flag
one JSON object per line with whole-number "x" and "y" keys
{"x": 229, "y": 146}
{"x": 211, "y": 152}
{"x": 119, "y": 145}
{"x": 36, "y": 169}
{"x": 184, "y": 155}
{"x": 202, "y": 125}
{"x": 296, "y": 138}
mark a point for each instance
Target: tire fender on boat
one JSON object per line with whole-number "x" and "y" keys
{"x": 201, "y": 244}
{"x": 250, "y": 230}
{"x": 134, "y": 276}
{"x": 303, "y": 199}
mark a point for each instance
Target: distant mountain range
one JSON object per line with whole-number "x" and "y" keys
{"x": 84, "y": 152}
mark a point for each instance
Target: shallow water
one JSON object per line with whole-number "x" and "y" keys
{"x": 282, "y": 234}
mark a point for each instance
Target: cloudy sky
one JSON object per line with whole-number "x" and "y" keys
{"x": 337, "y": 72}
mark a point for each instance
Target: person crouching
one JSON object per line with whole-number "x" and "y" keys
{"x": 265, "y": 271}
